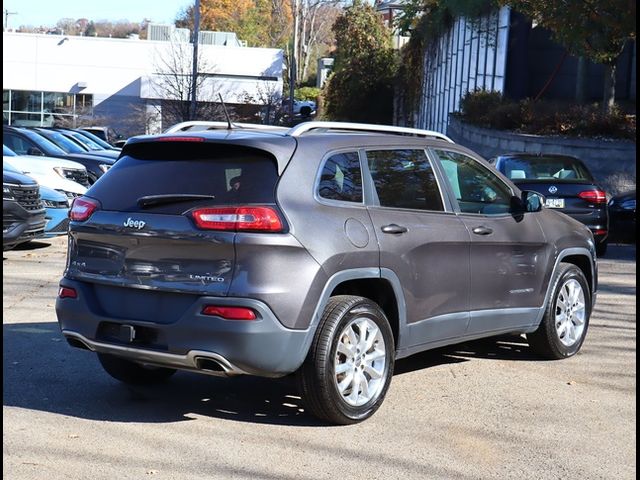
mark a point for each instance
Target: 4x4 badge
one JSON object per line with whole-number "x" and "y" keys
{"x": 130, "y": 223}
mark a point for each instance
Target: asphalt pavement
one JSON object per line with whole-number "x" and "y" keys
{"x": 481, "y": 410}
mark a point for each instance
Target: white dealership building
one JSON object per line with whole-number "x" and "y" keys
{"x": 52, "y": 79}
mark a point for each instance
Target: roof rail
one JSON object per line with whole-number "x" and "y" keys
{"x": 199, "y": 125}
{"x": 305, "y": 127}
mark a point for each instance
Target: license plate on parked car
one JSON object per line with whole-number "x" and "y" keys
{"x": 554, "y": 203}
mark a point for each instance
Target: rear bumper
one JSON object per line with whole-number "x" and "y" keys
{"x": 194, "y": 342}
{"x": 597, "y": 221}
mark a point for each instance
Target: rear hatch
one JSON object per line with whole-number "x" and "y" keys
{"x": 148, "y": 228}
{"x": 573, "y": 197}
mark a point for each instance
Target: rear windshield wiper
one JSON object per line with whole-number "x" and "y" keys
{"x": 151, "y": 200}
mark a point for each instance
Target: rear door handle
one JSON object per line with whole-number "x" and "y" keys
{"x": 394, "y": 229}
{"x": 482, "y": 230}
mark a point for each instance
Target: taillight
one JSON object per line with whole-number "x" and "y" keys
{"x": 67, "y": 292}
{"x": 82, "y": 208}
{"x": 594, "y": 196}
{"x": 230, "y": 313}
{"x": 238, "y": 219}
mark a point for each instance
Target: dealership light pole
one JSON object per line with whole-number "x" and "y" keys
{"x": 6, "y": 18}
{"x": 194, "y": 75}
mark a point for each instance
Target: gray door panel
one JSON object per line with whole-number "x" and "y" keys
{"x": 509, "y": 251}
{"x": 507, "y": 264}
{"x": 421, "y": 241}
{"x": 431, "y": 259}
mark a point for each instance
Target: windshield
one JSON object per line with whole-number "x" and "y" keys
{"x": 7, "y": 152}
{"x": 61, "y": 141}
{"x": 544, "y": 169}
{"x": 47, "y": 147}
{"x": 95, "y": 138}
{"x": 86, "y": 141}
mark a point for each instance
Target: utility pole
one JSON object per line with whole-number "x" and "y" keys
{"x": 292, "y": 61}
{"x": 194, "y": 75}
{"x": 6, "y": 18}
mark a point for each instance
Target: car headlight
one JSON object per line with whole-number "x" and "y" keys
{"x": 70, "y": 195}
{"x": 60, "y": 171}
{"x": 48, "y": 203}
{"x": 6, "y": 193}
{"x": 104, "y": 167}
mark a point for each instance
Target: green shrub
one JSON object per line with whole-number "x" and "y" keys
{"x": 476, "y": 106}
{"x": 307, "y": 93}
{"x": 544, "y": 117}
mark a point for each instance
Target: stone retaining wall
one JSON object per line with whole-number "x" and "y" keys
{"x": 612, "y": 162}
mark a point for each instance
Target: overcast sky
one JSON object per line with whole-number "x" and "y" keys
{"x": 48, "y": 12}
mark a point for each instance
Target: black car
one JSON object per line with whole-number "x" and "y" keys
{"x": 622, "y": 210}
{"x": 28, "y": 142}
{"x": 22, "y": 209}
{"x": 567, "y": 186}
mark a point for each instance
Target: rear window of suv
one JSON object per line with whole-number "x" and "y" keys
{"x": 545, "y": 169}
{"x": 231, "y": 174}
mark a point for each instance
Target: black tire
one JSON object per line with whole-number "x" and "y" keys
{"x": 545, "y": 341}
{"x": 133, "y": 373}
{"x": 317, "y": 378}
{"x": 601, "y": 248}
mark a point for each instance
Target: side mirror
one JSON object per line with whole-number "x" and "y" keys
{"x": 532, "y": 201}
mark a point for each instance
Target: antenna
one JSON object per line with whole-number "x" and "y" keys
{"x": 226, "y": 114}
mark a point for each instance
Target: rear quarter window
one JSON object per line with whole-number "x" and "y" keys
{"x": 231, "y": 174}
{"x": 341, "y": 178}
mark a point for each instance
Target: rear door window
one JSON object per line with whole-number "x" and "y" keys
{"x": 404, "y": 178}
{"x": 230, "y": 174}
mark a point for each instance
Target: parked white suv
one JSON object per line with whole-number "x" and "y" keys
{"x": 65, "y": 176}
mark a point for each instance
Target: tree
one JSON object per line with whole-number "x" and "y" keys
{"x": 264, "y": 23}
{"x": 596, "y": 29}
{"x": 315, "y": 18}
{"x": 361, "y": 87}
{"x": 173, "y": 83}
{"x": 90, "y": 31}
{"x": 68, "y": 26}
{"x": 268, "y": 97}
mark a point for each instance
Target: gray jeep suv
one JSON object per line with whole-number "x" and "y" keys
{"x": 329, "y": 250}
